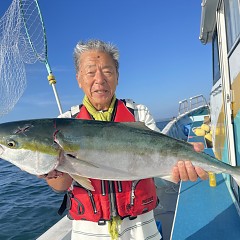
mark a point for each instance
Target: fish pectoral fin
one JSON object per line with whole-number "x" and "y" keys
{"x": 86, "y": 163}
{"x": 167, "y": 178}
{"x": 85, "y": 182}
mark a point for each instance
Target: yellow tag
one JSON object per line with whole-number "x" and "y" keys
{"x": 212, "y": 179}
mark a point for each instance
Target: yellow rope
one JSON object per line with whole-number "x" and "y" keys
{"x": 113, "y": 227}
{"x": 100, "y": 116}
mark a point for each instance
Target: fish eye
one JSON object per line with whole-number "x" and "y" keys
{"x": 11, "y": 143}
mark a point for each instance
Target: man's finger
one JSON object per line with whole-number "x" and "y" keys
{"x": 201, "y": 173}
{"x": 182, "y": 171}
{"x": 192, "y": 174}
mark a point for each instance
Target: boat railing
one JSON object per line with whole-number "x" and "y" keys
{"x": 197, "y": 101}
{"x": 194, "y": 102}
{"x": 183, "y": 107}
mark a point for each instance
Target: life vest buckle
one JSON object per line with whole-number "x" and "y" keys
{"x": 101, "y": 222}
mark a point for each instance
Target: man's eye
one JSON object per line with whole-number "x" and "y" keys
{"x": 107, "y": 72}
{"x": 91, "y": 73}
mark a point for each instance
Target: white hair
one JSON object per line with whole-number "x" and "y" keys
{"x": 97, "y": 45}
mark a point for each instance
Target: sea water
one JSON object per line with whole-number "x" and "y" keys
{"x": 28, "y": 206}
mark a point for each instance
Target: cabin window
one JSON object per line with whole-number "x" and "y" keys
{"x": 216, "y": 66}
{"x": 232, "y": 15}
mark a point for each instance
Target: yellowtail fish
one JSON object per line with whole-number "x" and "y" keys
{"x": 100, "y": 150}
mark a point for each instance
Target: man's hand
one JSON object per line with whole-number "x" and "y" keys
{"x": 57, "y": 180}
{"x": 185, "y": 171}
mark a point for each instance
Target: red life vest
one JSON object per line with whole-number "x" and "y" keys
{"x": 111, "y": 198}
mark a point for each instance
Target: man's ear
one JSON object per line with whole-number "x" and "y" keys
{"x": 79, "y": 80}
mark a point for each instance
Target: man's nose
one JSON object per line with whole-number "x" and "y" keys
{"x": 100, "y": 77}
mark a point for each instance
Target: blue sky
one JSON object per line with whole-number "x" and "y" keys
{"x": 162, "y": 60}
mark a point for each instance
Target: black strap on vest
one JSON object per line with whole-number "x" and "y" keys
{"x": 64, "y": 205}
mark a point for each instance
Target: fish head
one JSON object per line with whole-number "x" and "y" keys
{"x": 30, "y": 145}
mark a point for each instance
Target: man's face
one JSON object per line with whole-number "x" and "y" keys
{"x": 98, "y": 78}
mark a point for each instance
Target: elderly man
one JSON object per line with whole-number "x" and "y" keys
{"x": 112, "y": 211}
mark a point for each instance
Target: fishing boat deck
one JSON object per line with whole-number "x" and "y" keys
{"x": 205, "y": 212}
{"x": 197, "y": 210}
{"x": 167, "y": 193}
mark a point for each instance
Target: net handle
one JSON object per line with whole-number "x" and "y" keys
{"x": 50, "y": 75}
{"x": 57, "y": 98}
{"x": 52, "y": 82}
